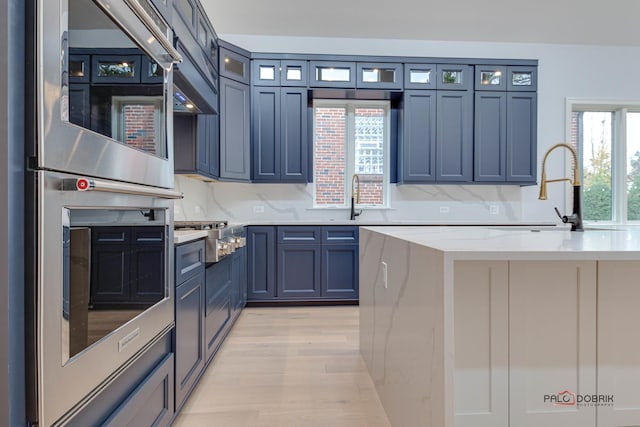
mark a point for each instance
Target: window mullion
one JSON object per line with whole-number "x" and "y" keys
{"x": 349, "y": 159}
{"x": 619, "y": 167}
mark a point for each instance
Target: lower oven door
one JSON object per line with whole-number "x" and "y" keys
{"x": 104, "y": 287}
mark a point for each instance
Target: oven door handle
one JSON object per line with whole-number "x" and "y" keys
{"x": 85, "y": 184}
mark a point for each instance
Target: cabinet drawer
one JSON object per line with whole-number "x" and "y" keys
{"x": 299, "y": 234}
{"x": 190, "y": 259}
{"x": 151, "y": 403}
{"x": 339, "y": 234}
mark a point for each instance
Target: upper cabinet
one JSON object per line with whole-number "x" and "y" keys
{"x": 420, "y": 76}
{"x": 163, "y": 6}
{"x": 334, "y": 74}
{"x": 505, "y": 124}
{"x": 371, "y": 75}
{"x": 235, "y": 66}
{"x": 274, "y": 72}
{"x": 454, "y": 77}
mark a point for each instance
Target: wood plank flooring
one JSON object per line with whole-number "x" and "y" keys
{"x": 287, "y": 367}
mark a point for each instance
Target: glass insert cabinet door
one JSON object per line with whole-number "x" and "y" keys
{"x": 524, "y": 79}
{"x": 273, "y": 72}
{"x": 379, "y": 76}
{"x": 420, "y": 76}
{"x": 491, "y": 77}
{"x": 332, "y": 74}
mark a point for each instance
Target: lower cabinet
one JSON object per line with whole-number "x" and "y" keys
{"x": 535, "y": 341}
{"x": 300, "y": 263}
{"x": 218, "y": 304}
{"x": 151, "y": 403}
{"x": 207, "y": 301}
{"x": 189, "y": 335}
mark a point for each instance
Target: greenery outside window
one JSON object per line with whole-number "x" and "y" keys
{"x": 607, "y": 137}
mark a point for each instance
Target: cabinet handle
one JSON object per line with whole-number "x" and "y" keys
{"x": 85, "y": 184}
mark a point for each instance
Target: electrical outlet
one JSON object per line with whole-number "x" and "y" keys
{"x": 384, "y": 275}
{"x": 258, "y": 209}
{"x": 444, "y": 209}
{"x": 494, "y": 209}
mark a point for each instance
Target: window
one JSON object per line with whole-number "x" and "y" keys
{"x": 137, "y": 121}
{"x": 351, "y": 137}
{"x": 607, "y": 137}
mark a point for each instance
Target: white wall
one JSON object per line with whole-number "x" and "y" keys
{"x": 565, "y": 71}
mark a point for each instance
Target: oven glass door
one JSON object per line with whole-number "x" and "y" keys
{"x": 103, "y": 93}
{"x": 104, "y": 287}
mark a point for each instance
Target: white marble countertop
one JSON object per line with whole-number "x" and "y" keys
{"x": 539, "y": 243}
{"x": 391, "y": 222}
{"x": 184, "y": 236}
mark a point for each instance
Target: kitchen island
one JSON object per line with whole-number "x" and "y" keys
{"x": 502, "y": 327}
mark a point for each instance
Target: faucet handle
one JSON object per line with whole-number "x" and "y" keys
{"x": 564, "y": 218}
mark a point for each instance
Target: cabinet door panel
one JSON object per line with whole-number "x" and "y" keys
{"x": 234, "y": 130}
{"x": 552, "y": 341}
{"x": 619, "y": 342}
{"x": 522, "y": 136}
{"x": 147, "y": 273}
{"x": 340, "y": 271}
{"x": 298, "y": 271}
{"x": 454, "y": 136}
{"x": 490, "y": 145}
{"x": 419, "y": 143}
{"x": 293, "y": 135}
{"x": 189, "y": 335}
{"x": 266, "y": 133}
{"x": 261, "y": 262}
{"x": 110, "y": 272}
{"x": 481, "y": 321}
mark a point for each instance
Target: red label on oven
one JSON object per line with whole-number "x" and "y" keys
{"x": 82, "y": 184}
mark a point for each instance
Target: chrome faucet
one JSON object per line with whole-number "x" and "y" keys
{"x": 575, "y": 219}
{"x": 355, "y": 196}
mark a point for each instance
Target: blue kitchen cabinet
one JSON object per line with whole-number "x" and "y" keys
{"x": 437, "y": 143}
{"x": 454, "y": 136}
{"x": 239, "y": 280}
{"x": 276, "y": 72}
{"x": 208, "y": 143}
{"x": 235, "y": 63}
{"x": 235, "y": 129}
{"x": 522, "y": 137}
{"x": 279, "y": 134}
{"x": 490, "y": 134}
{"x": 374, "y": 75}
{"x": 298, "y": 273}
{"x": 312, "y": 263}
{"x": 218, "y": 304}
{"x": 420, "y": 76}
{"x": 505, "y": 125}
{"x": 115, "y": 263}
{"x": 261, "y": 263}
{"x": 189, "y": 345}
{"x": 197, "y": 144}
{"x": 80, "y": 104}
{"x": 189, "y": 335}
{"x": 454, "y": 77}
{"x": 151, "y": 403}
{"x": 333, "y": 74}
{"x": 340, "y": 263}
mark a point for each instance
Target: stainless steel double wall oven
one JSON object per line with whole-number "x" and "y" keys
{"x": 101, "y": 178}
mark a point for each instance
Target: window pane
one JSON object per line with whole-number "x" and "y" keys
{"x": 594, "y": 131}
{"x": 329, "y": 156}
{"x": 369, "y": 154}
{"x": 633, "y": 166}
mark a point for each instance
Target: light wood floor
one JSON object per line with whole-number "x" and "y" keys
{"x": 287, "y": 367}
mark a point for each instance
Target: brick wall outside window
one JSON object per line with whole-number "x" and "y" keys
{"x": 140, "y": 126}
{"x": 329, "y": 157}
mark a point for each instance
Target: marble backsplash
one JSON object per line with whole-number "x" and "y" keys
{"x": 243, "y": 202}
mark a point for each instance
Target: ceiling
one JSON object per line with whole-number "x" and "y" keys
{"x": 590, "y": 22}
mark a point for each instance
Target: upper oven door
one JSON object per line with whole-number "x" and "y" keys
{"x": 103, "y": 82}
